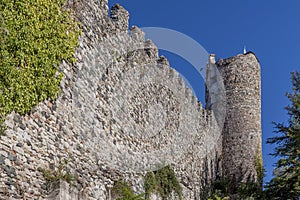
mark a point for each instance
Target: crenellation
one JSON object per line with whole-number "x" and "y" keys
{"x": 188, "y": 94}
{"x": 151, "y": 49}
{"x": 163, "y": 61}
{"x": 172, "y": 74}
{"x": 208, "y": 117}
{"x": 137, "y": 34}
{"x": 200, "y": 106}
{"x": 180, "y": 81}
{"x": 204, "y": 114}
{"x": 120, "y": 17}
{"x": 194, "y": 101}
{"x": 120, "y": 104}
{"x": 176, "y": 78}
{"x": 161, "y": 64}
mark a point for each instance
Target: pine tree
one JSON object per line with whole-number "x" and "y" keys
{"x": 286, "y": 182}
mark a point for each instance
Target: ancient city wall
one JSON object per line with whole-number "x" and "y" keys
{"x": 122, "y": 112}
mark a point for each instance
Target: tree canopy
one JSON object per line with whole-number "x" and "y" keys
{"x": 286, "y": 181}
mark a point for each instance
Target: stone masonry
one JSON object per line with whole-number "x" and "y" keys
{"x": 241, "y": 132}
{"x": 242, "y": 128}
{"x": 122, "y": 112}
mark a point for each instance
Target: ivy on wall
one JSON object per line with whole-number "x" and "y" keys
{"x": 36, "y": 35}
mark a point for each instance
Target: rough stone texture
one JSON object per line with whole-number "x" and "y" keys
{"x": 122, "y": 111}
{"x": 242, "y": 128}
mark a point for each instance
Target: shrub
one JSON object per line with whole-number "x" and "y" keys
{"x": 123, "y": 191}
{"x": 163, "y": 182}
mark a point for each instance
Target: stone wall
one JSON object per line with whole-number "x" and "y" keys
{"x": 242, "y": 128}
{"x": 122, "y": 112}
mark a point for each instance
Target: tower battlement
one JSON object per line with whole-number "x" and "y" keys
{"x": 124, "y": 111}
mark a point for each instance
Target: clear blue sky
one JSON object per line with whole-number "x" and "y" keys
{"x": 271, "y": 29}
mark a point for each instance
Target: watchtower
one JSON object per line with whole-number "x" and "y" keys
{"x": 241, "y": 132}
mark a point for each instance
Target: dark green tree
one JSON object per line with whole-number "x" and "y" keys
{"x": 286, "y": 181}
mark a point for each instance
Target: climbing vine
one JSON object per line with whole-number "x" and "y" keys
{"x": 36, "y": 35}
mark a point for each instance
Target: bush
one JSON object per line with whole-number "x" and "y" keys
{"x": 123, "y": 191}
{"x": 61, "y": 173}
{"x": 163, "y": 182}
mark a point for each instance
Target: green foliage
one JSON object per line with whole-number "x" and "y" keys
{"x": 286, "y": 183}
{"x": 163, "y": 182}
{"x": 123, "y": 191}
{"x": 250, "y": 190}
{"x": 60, "y": 174}
{"x": 36, "y": 35}
{"x": 224, "y": 188}
{"x": 259, "y": 166}
{"x": 2, "y": 126}
{"x": 216, "y": 197}
{"x": 221, "y": 189}
{"x": 150, "y": 183}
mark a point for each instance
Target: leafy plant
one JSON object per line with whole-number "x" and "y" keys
{"x": 2, "y": 126}
{"x": 216, "y": 197}
{"x": 163, "y": 182}
{"x": 224, "y": 188}
{"x": 221, "y": 188}
{"x": 251, "y": 190}
{"x": 60, "y": 174}
{"x": 36, "y": 35}
{"x": 122, "y": 191}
